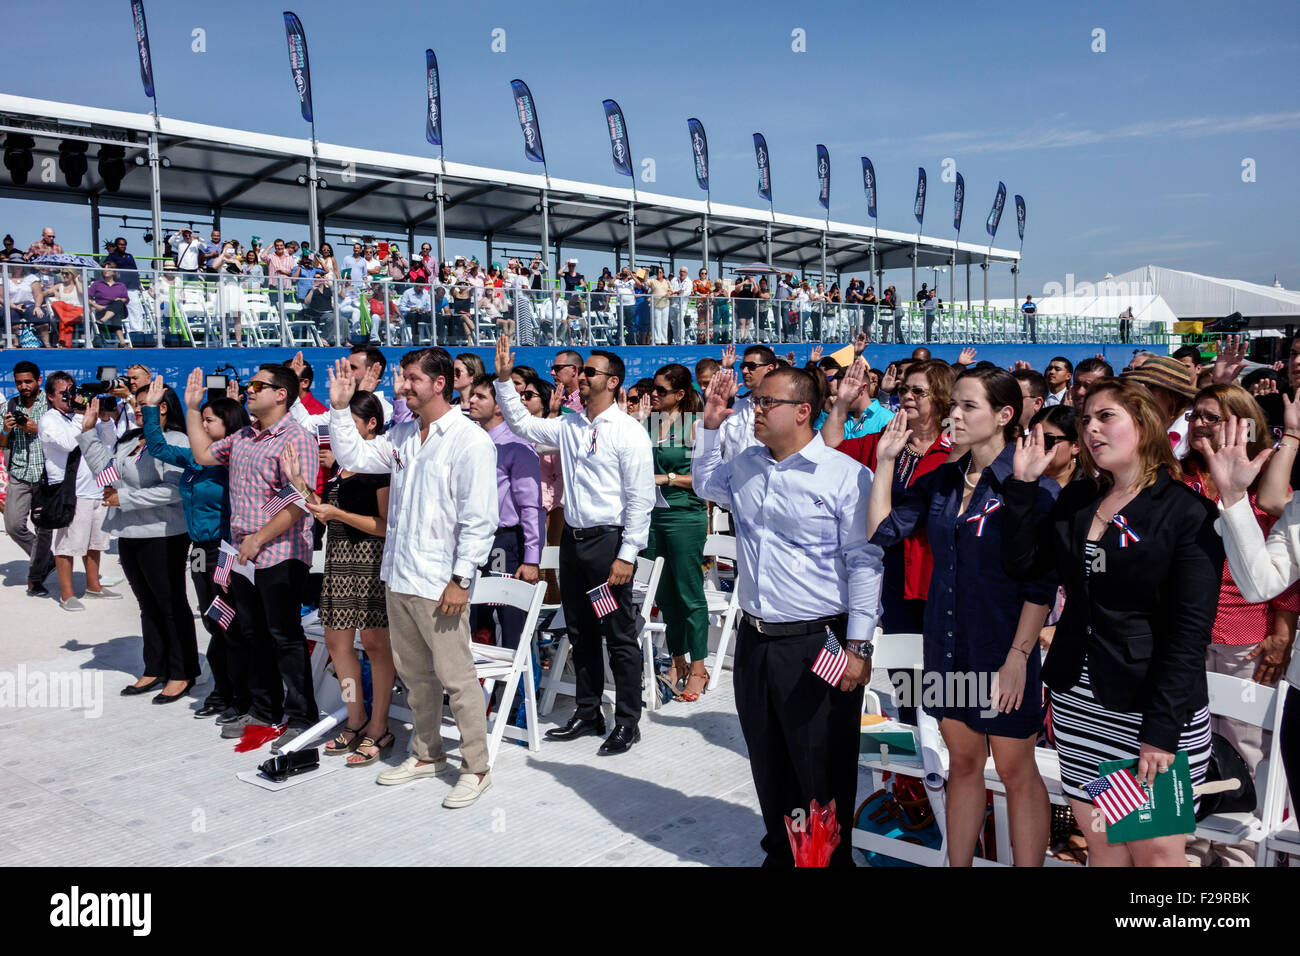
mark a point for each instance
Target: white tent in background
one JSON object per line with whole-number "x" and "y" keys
{"x": 1194, "y": 296}
{"x": 1148, "y": 309}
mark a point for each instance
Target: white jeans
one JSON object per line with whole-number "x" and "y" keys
{"x": 659, "y": 325}
{"x": 677, "y": 313}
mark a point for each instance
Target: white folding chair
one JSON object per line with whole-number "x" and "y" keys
{"x": 645, "y": 585}
{"x": 1259, "y": 706}
{"x": 1281, "y": 837}
{"x": 724, "y": 606}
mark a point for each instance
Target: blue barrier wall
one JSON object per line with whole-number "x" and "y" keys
{"x": 642, "y": 362}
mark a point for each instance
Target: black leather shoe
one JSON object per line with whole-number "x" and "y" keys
{"x": 130, "y": 690}
{"x": 210, "y": 710}
{"x": 230, "y": 715}
{"x": 172, "y": 698}
{"x": 578, "y": 727}
{"x": 620, "y": 740}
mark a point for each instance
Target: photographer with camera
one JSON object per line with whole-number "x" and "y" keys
{"x": 146, "y": 515}
{"x": 26, "y": 464}
{"x": 84, "y": 535}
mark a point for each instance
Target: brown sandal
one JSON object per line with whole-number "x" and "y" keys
{"x": 704, "y": 688}
{"x": 383, "y": 745}
{"x": 343, "y": 744}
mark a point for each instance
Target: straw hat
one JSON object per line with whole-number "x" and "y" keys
{"x": 1164, "y": 371}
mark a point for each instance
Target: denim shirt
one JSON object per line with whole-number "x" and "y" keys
{"x": 205, "y": 492}
{"x": 973, "y": 606}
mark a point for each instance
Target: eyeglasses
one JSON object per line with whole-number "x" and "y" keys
{"x": 592, "y": 372}
{"x": 254, "y": 387}
{"x": 765, "y": 402}
{"x": 1050, "y": 441}
{"x": 920, "y": 391}
{"x": 1208, "y": 417}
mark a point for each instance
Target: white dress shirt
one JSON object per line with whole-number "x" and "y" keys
{"x": 608, "y": 466}
{"x": 58, "y": 434}
{"x": 309, "y": 421}
{"x": 188, "y": 254}
{"x": 1055, "y": 398}
{"x": 442, "y": 504}
{"x": 737, "y": 431}
{"x": 1262, "y": 568}
{"x": 801, "y": 531}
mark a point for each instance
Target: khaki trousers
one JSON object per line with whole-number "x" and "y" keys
{"x": 431, "y": 652}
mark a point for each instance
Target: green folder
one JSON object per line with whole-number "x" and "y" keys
{"x": 898, "y": 737}
{"x": 1168, "y": 809}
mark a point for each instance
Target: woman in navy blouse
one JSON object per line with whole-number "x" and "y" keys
{"x": 981, "y": 628}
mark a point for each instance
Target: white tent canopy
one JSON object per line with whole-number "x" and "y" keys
{"x": 1146, "y": 308}
{"x": 1194, "y": 296}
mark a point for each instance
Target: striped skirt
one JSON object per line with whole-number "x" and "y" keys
{"x": 1087, "y": 734}
{"x": 525, "y": 323}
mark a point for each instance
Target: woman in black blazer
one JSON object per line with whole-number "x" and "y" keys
{"x": 1141, "y": 562}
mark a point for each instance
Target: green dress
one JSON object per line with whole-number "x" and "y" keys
{"x": 677, "y": 534}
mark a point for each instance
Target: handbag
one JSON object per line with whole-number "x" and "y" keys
{"x": 1225, "y": 764}
{"x": 53, "y": 506}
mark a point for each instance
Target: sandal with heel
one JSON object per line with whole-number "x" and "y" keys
{"x": 383, "y": 745}
{"x": 343, "y": 744}
{"x": 690, "y": 697}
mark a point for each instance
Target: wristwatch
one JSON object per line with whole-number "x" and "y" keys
{"x": 461, "y": 581}
{"x": 864, "y": 649}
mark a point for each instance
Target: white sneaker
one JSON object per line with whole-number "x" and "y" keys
{"x": 468, "y": 789}
{"x": 407, "y": 771}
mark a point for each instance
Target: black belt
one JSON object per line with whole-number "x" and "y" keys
{"x": 509, "y": 527}
{"x": 794, "y": 628}
{"x": 595, "y": 531}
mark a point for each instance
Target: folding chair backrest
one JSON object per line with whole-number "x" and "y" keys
{"x": 648, "y": 573}
{"x": 897, "y": 651}
{"x": 720, "y": 546}
{"x": 550, "y": 558}
{"x": 1243, "y": 700}
{"x": 510, "y": 592}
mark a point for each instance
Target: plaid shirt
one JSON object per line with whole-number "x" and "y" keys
{"x": 26, "y": 458}
{"x": 256, "y": 474}
{"x": 41, "y": 248}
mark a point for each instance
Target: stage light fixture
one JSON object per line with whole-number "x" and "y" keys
{"x": 18, "y": 157}
{"x": 72, "y": 160}
{"x": 112, "y": 166}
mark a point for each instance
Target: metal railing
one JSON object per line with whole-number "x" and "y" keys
{"x": 75, "y": 307}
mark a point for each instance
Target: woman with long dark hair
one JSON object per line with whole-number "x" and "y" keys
{"x": 146, "y": 516}
{"x": 205, "y": 497}
{"x": 981, "y": 626}
{"x": 1141, "y": 564}
{"x": 1061, "y": 438}
{"x": 677, "y": 532}
{"x": 354, "y": 508}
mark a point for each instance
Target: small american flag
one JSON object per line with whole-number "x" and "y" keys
{"x": 225, "y": 561}
{"x": 288, "y": 495}
{"x": 107, "y": 476}
{"x": 602, "y": 599}
{"x": 831, "y": 661}
{"x": 221, "y": 612}
{"x": 1117, "y": 794}
{"x": 323, "y": 435}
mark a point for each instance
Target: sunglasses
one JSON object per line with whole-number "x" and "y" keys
{"x": 661, "y": 391}
{"x": 1051, "y": 441}
{"x": 592, "y": 372}
{"x": 256, "y": 387}
{"x": 920, "y": 391}
{"x": 750, "y": 366}
{"x": 528, "y": 395}
{"x": 556, "y": 368}
{"x": 766, "y": 402}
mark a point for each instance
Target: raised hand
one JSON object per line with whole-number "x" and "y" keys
{"x": 816, "y": 354}
{"x": 622, "y": 400}
{"x": 893, "y": 438}
{"x": 296, "y": 363}
{"x": 967, "y": 355}
{"x": 292, "y": 467}
{"x": 642, "y": 411}
{"x": 1032, "y": 457}
{"x": 1231, "y": 359}
{"x": 790, "y": 356}
{"x": 90, "y": 417}
{"x": 232, "y": 389}
{"x": 1018, "y": 365}
{"x": 399, "y": 384}
{"x": 506, "y": 360}
{"x": 851, "y": 385}
{"x": 860, "y": 343}
{"x": 157, "y": 391}
{"x": 194, "y": 390}
{"x": 729, "y": 357}
{"x": 557, "y": 402}
{"x": 370, "y": 379}
{"x": 342, "y": 385}
{"x": 716, "y": 397}
{"x": 889, "y": 380}
{"x": 1265, "y": 386}
{"x": 1231, "y": 466}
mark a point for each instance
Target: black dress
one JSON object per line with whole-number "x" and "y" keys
{"x": 352, "y": 595}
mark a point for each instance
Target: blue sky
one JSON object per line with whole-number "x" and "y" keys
{"x": 1126, "y": 157}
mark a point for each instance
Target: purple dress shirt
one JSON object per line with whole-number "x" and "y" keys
{"x": 519, "y": 489}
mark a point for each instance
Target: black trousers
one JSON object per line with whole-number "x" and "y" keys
{"x": 227, "y": 691}
{"x": 585, "y": 564}
{"x": 272, "y": 643}
{"x": 155, "y": 569}
{"x": 1290, "y": 743}
{"x": 802, "y": 736}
